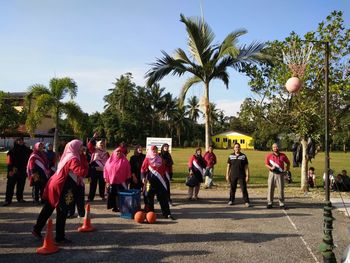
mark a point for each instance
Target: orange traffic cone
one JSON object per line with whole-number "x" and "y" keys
{"x": 49, "y": 246}
{"x": 86, "y": 227}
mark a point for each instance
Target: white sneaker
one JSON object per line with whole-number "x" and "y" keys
{"x": 230, "y": 203}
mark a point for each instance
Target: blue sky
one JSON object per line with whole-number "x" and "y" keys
{"x": 94, "y": 42}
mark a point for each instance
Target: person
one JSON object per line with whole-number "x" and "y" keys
{"x": 168, "y": 162}
{"x": 311, "y": 177}
{"x": 136, "y": 162}
{"x": 91, "y": 145}
{"x": 238, "y": 171}
{"x": 116, "y": 173}
{"x": 98, "y": 160}
{"x": 38, "y": 172}
{"x": 17, "y": 159}
{"x": 346, "y": 180}
{"x": 342, "y": 182}
{"x": 58, "y": 192}
{"x": 277, "y": 163}
{"x": 60, "y": 149}
{"x": 51, "y": 157}
{"x": 124, "y": 148}
{"x": 154, "y": 179}
{"x": 210, "y": 158}
{"x": 196, "y": 167}
{"x": 331, "y": 180}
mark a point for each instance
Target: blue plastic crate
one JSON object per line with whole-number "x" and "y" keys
{"x": 129, "y": 202}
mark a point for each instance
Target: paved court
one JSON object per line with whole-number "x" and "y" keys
{"x": 207, "y": 230}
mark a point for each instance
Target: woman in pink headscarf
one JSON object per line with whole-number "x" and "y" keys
{"x": 97, "y": 163}
{"x": 38, "y": 171}
{"x": 116, "y": 173}
{"x": 59, "y": 191}
{"x": 153, "y": 174}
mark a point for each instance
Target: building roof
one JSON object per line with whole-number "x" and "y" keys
{"x": 232, "y": 133}
{"x": 19, "y": 95}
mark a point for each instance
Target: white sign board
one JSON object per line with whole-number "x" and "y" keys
{"x": 158, "y": 142}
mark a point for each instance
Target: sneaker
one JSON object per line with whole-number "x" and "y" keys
{"x": 115, "y": 210}
{"x": 283, "y": 207}
{"x": 170, "y": 204}
{"x": 170, "y": 217}
{"x": 269, "y": 206}
{"x": 6, "y": 203}
{"x": 230, "y": 203}
{"x": 248, "y": 205}
{"x": 37, "y": 234}
{"x": 21, "y": 201}
{"x": 63, "y": 241}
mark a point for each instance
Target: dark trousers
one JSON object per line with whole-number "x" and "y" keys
{"x": 19, "y": 180}
{"x": 79, "y": 198}
{"x": 113, "y": 196}
{"x": 45, "y": 214}
{"x": 97, "y": 176}
{"x": 38, "y": 189}
{"x": 155, "y": 187}
{"x": 243, "y": 185}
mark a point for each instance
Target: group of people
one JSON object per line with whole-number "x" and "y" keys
{"x": 59, "y": 184}
{"x": 37, "y": 165}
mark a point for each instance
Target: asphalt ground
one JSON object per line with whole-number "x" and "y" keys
{"x": 206, "y": 230}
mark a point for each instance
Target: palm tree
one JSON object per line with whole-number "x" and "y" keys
{"x": 193, "y": 108}
{"x": 48, "y": 101}
{"x": 207, "y": 61}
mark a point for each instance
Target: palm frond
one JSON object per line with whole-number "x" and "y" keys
{"x": 200, "y": 37}
{"x": 191, "y": 81}
{"x": 162, "y": 67}
{"x": 223, "y": 75}
{"x": 229, "y": 45}
{"x": 42, "y": 106}
{"x": 60, "y": 87}
{"x": 75, "y": 115}
{"x": 181, "y": 56}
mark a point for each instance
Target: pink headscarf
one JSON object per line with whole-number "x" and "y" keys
{"x": 100, "y": 154}
{"x": 117, "y": 169}
{"x": 37, "y": 155}
{"x": 70, "y": 151}
{"x": 154, "y": 159}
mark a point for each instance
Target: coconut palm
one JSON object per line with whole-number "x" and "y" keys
{"x": 193, "y": 108}
{"x": 48, "y": 101}
{"x": 206, "y": 61}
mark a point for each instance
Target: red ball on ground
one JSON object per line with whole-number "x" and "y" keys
{"x": 139, "y": 217}
{"x": 151, "y": 217}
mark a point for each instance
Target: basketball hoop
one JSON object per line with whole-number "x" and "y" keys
{"x": 296, "y": 59}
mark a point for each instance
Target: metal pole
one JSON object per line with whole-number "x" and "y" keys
{"x": 326, "y": 121}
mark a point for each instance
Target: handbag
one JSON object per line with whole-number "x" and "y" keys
{"x": 192, "y": 181}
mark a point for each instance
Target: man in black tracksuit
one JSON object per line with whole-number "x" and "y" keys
{"x": 238, "y": 171}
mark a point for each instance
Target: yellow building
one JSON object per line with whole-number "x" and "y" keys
{"x": 227, "y": 139}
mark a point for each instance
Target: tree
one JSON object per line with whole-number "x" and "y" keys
{"x": 192, "y": 108}
{"x": 302, "y": 114}
{"x": 42, "y": 101}
{"x": 207, "y": 61}
{"x": 9, "y": 117}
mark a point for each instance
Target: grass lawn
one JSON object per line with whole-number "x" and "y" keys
{"x": 339, "y": 161}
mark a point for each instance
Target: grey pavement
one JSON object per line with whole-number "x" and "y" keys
{"x": 207, "y": 230}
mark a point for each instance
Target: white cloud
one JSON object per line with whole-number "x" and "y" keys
{"x": 228, "y": 106}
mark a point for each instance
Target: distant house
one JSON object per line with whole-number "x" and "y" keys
{"x": 226, "y": 140}
{"x": 46, "y": 126}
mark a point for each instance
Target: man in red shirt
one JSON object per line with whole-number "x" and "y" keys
{"x": 275, "y": 163}
{"x": 210, "y": 158}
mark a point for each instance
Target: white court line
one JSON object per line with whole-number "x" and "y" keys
{"x": 302, "y": 239}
